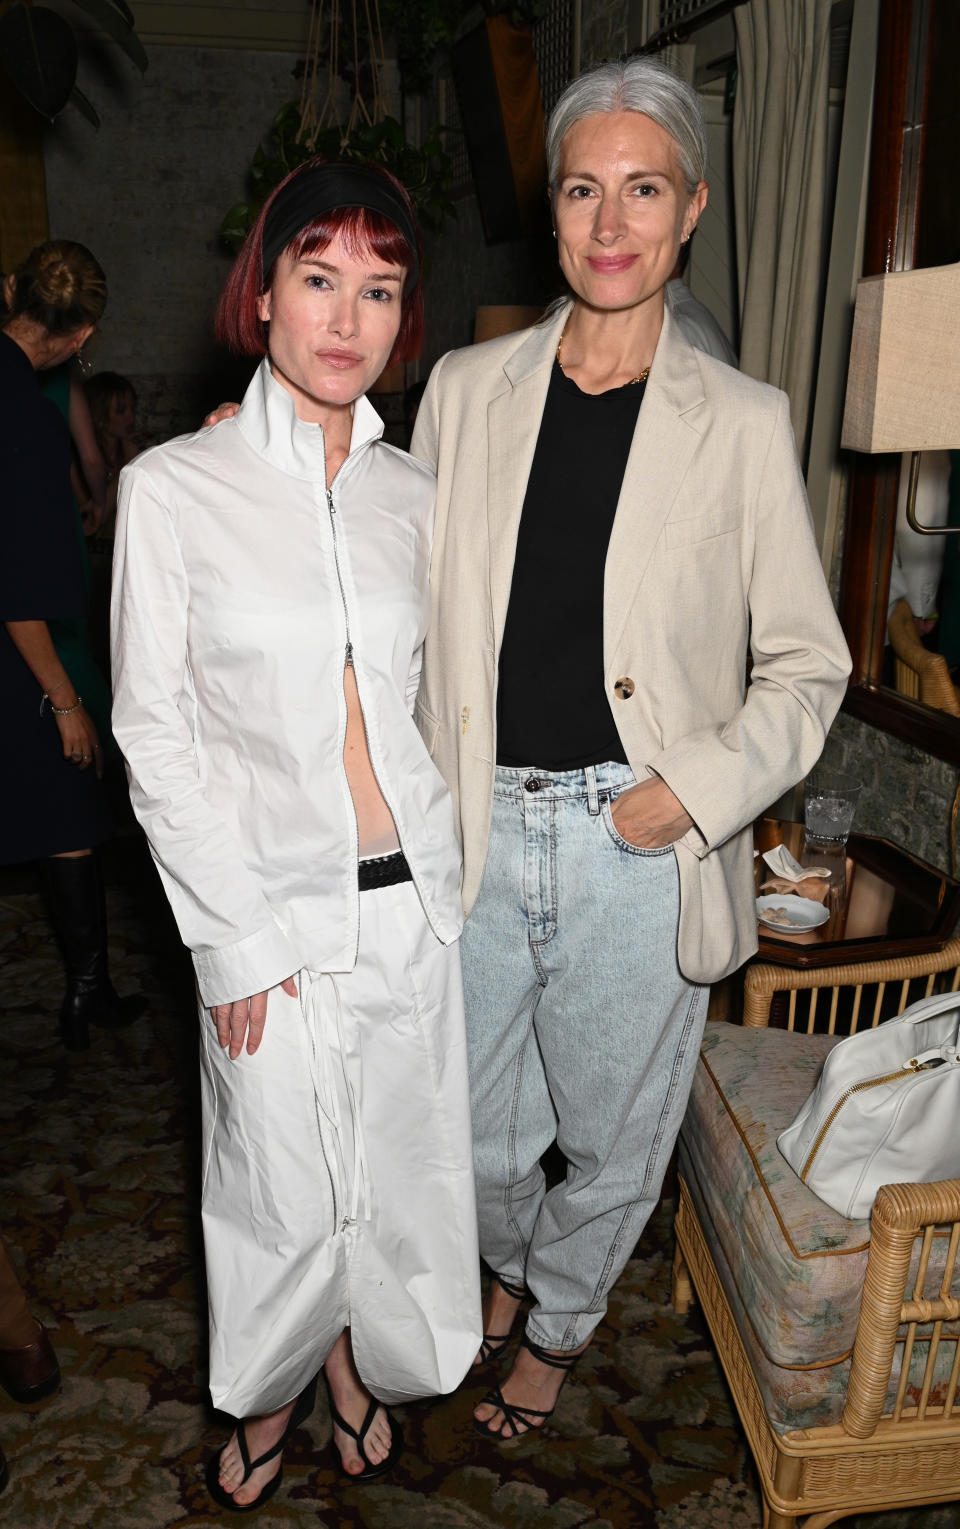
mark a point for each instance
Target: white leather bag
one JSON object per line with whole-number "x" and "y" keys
{"x": 885, "y": 1110}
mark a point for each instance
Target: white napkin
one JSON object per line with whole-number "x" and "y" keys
{"x": 782, "y": 864}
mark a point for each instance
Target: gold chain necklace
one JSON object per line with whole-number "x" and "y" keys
{"x": 640, "y": 377}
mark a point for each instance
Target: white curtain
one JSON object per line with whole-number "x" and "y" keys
{"x": 779, "y": 175}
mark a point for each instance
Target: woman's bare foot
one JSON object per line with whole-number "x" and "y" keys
{"x": 262, "y": 1433}
{"x": 352, "y": 1401}
{"x": 530, "y": 1384}
{"x": 499, "y": 1313}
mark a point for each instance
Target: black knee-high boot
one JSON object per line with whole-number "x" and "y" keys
{"x": 75, "y": 900}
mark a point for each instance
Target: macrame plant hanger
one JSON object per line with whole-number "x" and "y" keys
{"x": 326, "y": 29}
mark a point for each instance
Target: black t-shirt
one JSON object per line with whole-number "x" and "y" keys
{"x": 552, "y": 709}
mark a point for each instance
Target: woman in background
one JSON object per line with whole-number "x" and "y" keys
{"x": 53, "y": 806}
{"x": 112, "y": 401}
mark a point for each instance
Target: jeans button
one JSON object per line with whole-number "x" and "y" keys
{"x": 531, "y": 783}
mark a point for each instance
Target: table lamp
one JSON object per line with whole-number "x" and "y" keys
{"x": 903, "y": 386}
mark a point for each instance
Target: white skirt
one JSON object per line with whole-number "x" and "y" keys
{"x": 337, "y": 1176}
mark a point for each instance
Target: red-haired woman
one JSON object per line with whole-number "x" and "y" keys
{"x": 269, "y": 610}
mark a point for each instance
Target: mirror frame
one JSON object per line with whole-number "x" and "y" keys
{"x": 911, "y": 102}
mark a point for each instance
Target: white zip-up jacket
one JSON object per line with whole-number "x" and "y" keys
{"x": 239, "y": 584}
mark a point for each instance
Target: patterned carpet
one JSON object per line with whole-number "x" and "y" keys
{"x": 98, "y": 1189}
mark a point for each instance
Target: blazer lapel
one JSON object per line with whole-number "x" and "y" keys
{"x": 668, "y": 431}
{"x": 513, "y": 424}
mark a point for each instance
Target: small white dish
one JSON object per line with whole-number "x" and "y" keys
{"x": 799, "y": 913}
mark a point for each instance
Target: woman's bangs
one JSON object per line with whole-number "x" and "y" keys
{"x": 364, "y": 233}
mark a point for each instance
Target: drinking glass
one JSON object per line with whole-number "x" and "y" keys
{"x": 829, "y": 803}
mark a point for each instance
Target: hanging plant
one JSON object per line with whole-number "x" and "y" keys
{"x": 39, "y": 52}
{"x": 424, "y": 170}
{"x": 423, "y": 30}
{"x": 345, "y": 112}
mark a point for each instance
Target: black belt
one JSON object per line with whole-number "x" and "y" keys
{"x": 383, "y": 871}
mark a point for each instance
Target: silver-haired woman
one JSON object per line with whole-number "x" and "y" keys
{"x": 620, "y": 520}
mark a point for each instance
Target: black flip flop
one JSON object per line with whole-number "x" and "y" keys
{"x": 302, "y": 1410}
{"x": 370, "y": 1471}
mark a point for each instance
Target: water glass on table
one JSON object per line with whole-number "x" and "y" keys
{"x": 829, "y": 803}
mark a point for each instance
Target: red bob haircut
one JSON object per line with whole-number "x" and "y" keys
{"x": 364, "y": 232}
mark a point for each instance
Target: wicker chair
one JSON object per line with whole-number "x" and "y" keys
{"x": 918, "y": 673}
{"x": 840, "y": 1339}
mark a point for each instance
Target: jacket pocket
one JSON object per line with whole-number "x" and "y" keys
{"x": 701, "y": 528}
{"x": 427, "y": 724}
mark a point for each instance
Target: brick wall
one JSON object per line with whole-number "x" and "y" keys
{"x": 147, "y": 193}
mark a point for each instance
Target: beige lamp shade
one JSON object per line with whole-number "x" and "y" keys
{"x": 903, "y": 387}
{"x": 496, "y": 319}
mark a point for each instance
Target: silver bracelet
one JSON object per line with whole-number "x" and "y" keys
{"x": 67, "y": 711}
{"x": 48, "y": 693}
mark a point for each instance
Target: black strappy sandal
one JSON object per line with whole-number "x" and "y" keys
{"x": 523, "y": 1419}
{"x": 493, "y": 1344}
{"x": 302, "y": 1410}
{"x": 370, "y": 1471}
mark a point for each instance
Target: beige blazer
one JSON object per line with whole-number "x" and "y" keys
{"x": 712, "y": 556}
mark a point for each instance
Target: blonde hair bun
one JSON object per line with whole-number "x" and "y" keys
{"x": 60, "y": 286}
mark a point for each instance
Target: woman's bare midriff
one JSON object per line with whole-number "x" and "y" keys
{"x": 376, "y": 830}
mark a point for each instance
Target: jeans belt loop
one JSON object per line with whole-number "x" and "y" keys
{"x": 593, "y": 796}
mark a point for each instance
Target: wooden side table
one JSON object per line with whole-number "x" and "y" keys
{"x": 883, "y": 902}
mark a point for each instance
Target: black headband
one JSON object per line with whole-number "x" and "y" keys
{"x": 326, "y": 188}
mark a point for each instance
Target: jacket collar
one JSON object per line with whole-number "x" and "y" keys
{"x": 674, "y": 375}
{"x": 538, "y": 348}
{"x": 268, "y": 422}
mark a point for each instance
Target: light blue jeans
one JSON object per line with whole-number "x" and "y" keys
{"x": 580, "y": 1030}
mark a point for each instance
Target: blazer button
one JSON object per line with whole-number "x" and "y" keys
{"x": 624, "y": 688}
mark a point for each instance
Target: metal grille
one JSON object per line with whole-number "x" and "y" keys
{"x": 448, "y": 116}
{"x": 553, "y": 46}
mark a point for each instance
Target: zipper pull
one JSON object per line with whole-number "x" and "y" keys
{"x": 348, "y": 653}
{"x": 330, "y": 504}
{"x": 924, "y": 1062}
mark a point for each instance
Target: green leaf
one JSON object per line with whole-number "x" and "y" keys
{"x": 237, "y": 224}
{"x": 38, "y": 51}
{"x": 84, "y": 106}
{"x": 106, "y": 15}
{"x": 125, "y": 12}
{"x": 425, "y": 172}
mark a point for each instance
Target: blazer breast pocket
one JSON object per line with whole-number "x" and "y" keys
{"x": 702, "y": 528}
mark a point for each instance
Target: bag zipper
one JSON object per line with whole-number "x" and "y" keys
{"x": 905, "y": 1071}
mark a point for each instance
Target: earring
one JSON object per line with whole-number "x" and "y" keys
{"x": 84, "y": 363}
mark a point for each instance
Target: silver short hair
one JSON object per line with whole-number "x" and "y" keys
{"x": 640, "y": 85}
